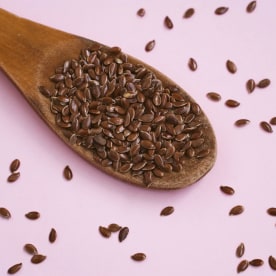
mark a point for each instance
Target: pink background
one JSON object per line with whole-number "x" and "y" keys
{"x": 199, "y": 238}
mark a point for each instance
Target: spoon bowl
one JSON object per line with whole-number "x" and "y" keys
{"x": 33, "y": 55}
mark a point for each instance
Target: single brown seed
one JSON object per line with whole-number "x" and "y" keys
{"x": 272, "y": 262}
{"x": 189, "y": 13}
{"x": 232, "y": 103}
{"x": 150, "y": 45}
{"x": 138, "y": 257}
{"x": 250, "y": 85}
{"x": 266, "y": 126}
{"x": 15, "y": 268}
{"x": 141, "y": 12}
{"x": 242, "y": 122}
{"x": 67, "y": 173}
{"x": 123, "y": 233}
{"x": 105, "y": 232}
{"x": 273, "y": 121}
{"x": 52, "y": 235}
{"x": 114, "y": 227}
{"x": 38, "y": 258}
{"x": 213, "y": 96}
{"x": 30, "y": 248}
{"x": 272, "y": 211}
{"x": 13, "y": 177}
{"x": 167, "y": 211}
{"x": 33, "y": 215}
{"x": 251, "y": 6}
{"x": 5, "y": 213}
{"x": 231, "y": 66}
{"x": 192, "y": 64}
{"x": 227, "y": 190}
{"x": 240, "y": 250}
{"x": 14, "y": 166}
{"x": 256, "y": 262}
{"x": 168, "y": 22}
{"x": 242, "y": 266}
{"x": 264, "y": 83}
{"x": 221, "y": 10}
{"x": 236, "y": 210}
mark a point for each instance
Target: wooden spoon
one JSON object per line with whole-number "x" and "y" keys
{"x": 30, "y": 54}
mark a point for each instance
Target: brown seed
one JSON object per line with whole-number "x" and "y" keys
{"x": 242, "y": 266}
{"x": 251, "y": 6}
{"x": 13, "y": 177}
{"x": 240, "y": 250}
{"x": 168, "y": 22}
{"x": 150, "y": 45}
{"x": 266, "y": 126}
{"x": 250, "y": 85}
{"x": 114, "y": 227}
{"x": 236, "y": 210}
{"x": 272, "y": 262}
{"x": 273, "y": 121}
{"x": 231, "y": 66}
{"x": 15, "y": 268}
{"x": 221, "y": 10}
{"x": 272, "y": 211}
{"x": 192, "y": 64}
{"x": 264, "y": 83}
{"x": 14, "y": 166}
{"x": 167, "y": 211}
{"x": 189, "y": 13}
{"x": 52, "y": 235}
{"x": 213, "y": 96}
{"x": 30, "y": 248}
{"x": 138, "y": 257}
{"x": 38, "y": 258}
{"x": 227, "y": 190}
{"x": 5, "y": 213}
{"x": 242, "y": 122}
{"x": 67, "y": 173}
{"x": 33, "y": 215}
{"x": 123, "y": 233}
{"x": 105, "y": 232}
{"x": 256, "y": 262}
{"x": 232, "y": 103}
{"x": 141, "y": 12}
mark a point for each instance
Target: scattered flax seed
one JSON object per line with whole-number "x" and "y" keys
{"x": 141, "y": 12}
{"x": 266, "y": 126}
{"x": 38, "y": 258}
{"x": 256, "y": 262}
{"x": 5, "y": 213}
{"x": 150, "y": 45}
{"x": 242, "y": 266}
{"x": 251, "y": 6}
{"x": 221, "y": 10}
{"x": 168, "y": 22}
{"x": 105, "y": 232}
{"x": 231, "y": 66}
{"x": 273, "y": 121}
{"x": 14, "y": 166}
{"x": 123, "y": 233}
{"x": 272, "y": 211}
{"x": 30, "y": 248}
{"x": 33, "y": 215}
{"x": 138, "y": 257}
{"x": 236, "y": 210}
{"x": 192, "y": 64}
{"x": 227, "y": 190}
{"x": 52, "y": 235}
{"x": 167, "y": 211}
{"x": 240, "y": 250}
{"x": 189, "y": 13}
{"x": 13, "y": 177}
{"x": 67, "y": 173}
{"x": 242, "y": 122}
{"x": 264, "y": 83}
{"x": 250, "y": 85}
{"x": 15, "y": 268}
{"x": 232, "y": 103}
{"x": 114, "y": 227}
{"x": 272, "y": 262}
{"x": 214, "y": 96}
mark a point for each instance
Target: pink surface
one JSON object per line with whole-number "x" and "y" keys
{"x": 199, "y": 238}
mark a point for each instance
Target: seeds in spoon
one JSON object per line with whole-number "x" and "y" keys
{"x": 5, "y": 213}
{"x": 14, "y": 166}
{"x": 15, "y": 268}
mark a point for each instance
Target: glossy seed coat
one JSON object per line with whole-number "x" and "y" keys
{"x": 167, "y": 211}
{"x": 138, "y": 257}
{"x": 15, "y": 268}
{"x": 123, "y": 233}
{"x": 240, "y": 250}
{"x": 236, "y": 210}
